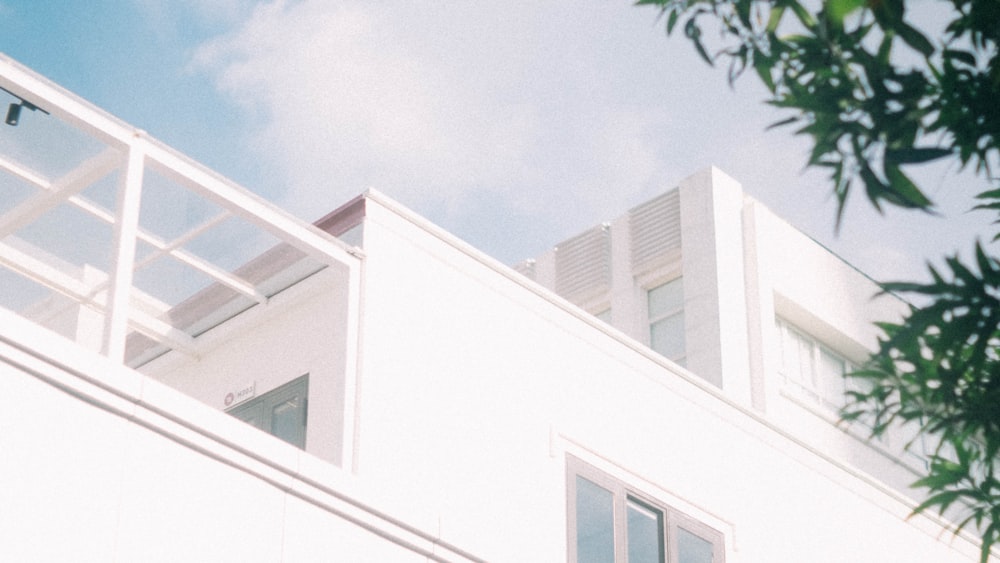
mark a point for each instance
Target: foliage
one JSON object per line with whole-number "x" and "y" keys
{"x": 941, "y": 369}
{"x": 877, "y": 94}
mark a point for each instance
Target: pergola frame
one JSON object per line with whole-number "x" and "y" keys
{"x": 131, "y": 152}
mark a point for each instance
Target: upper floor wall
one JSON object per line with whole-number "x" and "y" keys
{"x": 488, "y": 391}
{"x": 715, "y": 282}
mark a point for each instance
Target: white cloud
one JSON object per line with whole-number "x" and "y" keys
{"x": 439, "y": 105}
{"x": 345, "y": 103}
{"x": 520, "y": 113}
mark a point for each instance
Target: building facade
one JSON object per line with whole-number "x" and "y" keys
{"x": 197, "y": 376}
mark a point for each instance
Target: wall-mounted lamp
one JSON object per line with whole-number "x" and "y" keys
{"x": 14, "y": 111}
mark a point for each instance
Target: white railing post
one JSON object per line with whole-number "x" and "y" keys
{"x": 123, "y": 255}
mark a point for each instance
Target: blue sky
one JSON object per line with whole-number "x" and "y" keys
{"x": 512, "y": 124}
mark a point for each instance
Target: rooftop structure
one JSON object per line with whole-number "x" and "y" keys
{"x": 661, "y": 388}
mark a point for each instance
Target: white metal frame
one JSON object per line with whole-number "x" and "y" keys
{"x": 131, "y": 152}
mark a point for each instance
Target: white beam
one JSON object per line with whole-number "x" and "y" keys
{"x": 78, "y": 113}
{"x": 254, "y": 209}
{"x": 25, "y": 174}
{"x": 59, "y": 281}
{"x": 218, "y": 274}
{"x": 123, "y": 255}
{"x": 173, "y": 249}
{"x": 73, "y": 182}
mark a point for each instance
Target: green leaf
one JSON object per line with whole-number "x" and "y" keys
{"x": 783, "y": 122}
{"x": 693, "y": 32}
{"x": 763, "y": 68}
{"x": 983, "y": 261}
{"x": 915, "y": 155}
{"x": 672, "y": 21}
{"x": 915, "y": 39}
{"x": 942, "y": 500}
{"x": 775, "y": 18}
{"x": 901, "y": 185}
{"x": 838, "y": 9}
{"x": 961, "y": 56}
{"x": 885, "y": 48}
{"x": 803, "y": 14}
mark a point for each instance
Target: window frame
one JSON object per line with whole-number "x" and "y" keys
{"x": 622, "y": 493}
{"x": 813, "y": 391}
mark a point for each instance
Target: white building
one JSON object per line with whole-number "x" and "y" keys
{"x": 427, "y": 402}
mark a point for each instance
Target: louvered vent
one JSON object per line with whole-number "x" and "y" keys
{"x": 583, "y": 264}
{"x": 526, "y": 268}
{"x": 655, "y": 227}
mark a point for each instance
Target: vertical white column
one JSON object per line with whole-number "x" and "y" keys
{"x": 123, "y": 251}
{"x": 715, "y": 313}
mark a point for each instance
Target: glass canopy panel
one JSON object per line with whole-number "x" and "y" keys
{"x": 167, "y": 282}
{"x": 170, "y": 210}
{"x": 101, "y": 197}
{"x": 231, "y": 243}
{"x": 72, "y": 236}
{"x": 13, "y": 190}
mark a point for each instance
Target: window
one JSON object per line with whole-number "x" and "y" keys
{"x": 281, "y": 412}
{"x": 611, "y": 523}
{"x": 810, "y": 369}
{"x": 666, "y": 320}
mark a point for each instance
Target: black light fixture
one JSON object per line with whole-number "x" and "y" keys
{"x": 14, "y": 111}
{"x": 13, "y": 114}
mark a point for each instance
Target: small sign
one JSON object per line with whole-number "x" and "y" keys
{"x": 237, "y": 396}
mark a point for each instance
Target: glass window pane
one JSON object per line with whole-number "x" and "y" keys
{"x": 645, "y": 534}
{"x": 595, "y": 523}
{"x": 288, "y": 422}
{"x": 692, "y": 548}
{"x": 790, "y": 365}
{"x": 830, "y": 378}
{"x": 667, "y": 336}
{"x": 666, "y": 298}
{"x": 252, "y": 413}
{"x": 806, "y": 370}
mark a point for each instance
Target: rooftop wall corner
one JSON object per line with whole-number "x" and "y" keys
{"x": 713, "y": 269}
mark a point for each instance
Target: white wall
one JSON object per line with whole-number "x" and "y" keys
{"x": 474, "y": 387}
{"x": 102, "y": 464}
{"x": 476, "y": 383}
{"x": 796, "y": 279}
{"x": 303, "y": 330}
{"x": 714, "y": 295}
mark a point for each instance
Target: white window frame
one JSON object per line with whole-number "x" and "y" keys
{"x": 904, "y": 444}
{"x": 810, "y": 390}
{"x": 672, "y": 518}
